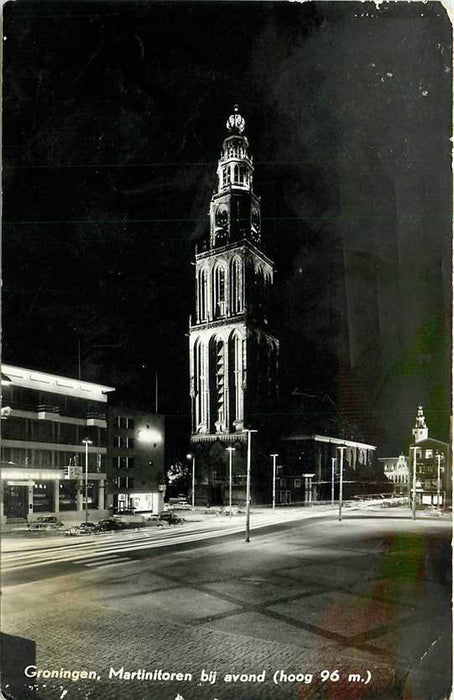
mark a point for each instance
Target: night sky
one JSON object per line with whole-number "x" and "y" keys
{"x": 113, "y": 119}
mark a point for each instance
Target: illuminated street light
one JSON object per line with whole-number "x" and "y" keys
{"x": 341, "y": 475}
{"x": 86, "y": 442}
{"x": 248, "y": 480}
{"x": 333, "y": 464}
{"x": 191, "y": 456}
{"x": 230, "y": 450}
{"x": 413, "y": 505}
{"x": 274, "y": 457}
{"x": 438, "y": 482}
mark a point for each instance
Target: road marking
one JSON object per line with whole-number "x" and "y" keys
{"x": 107, "y": 562}
{"x": 114, "y": 563}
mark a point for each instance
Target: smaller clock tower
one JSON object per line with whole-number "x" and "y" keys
{"x": 420, "y": 431}
{"x": 233, "y": 354}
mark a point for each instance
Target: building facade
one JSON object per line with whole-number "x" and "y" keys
{"x": 233, "y": 355}
{"x": 397, "y": 472}
{"x": 431, "y": 460}
{"x": 135, "y": 460}
{"x": 45, "y": 420}
{"x": 309, "y": 465}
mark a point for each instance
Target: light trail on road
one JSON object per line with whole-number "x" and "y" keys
{"x": 84, "y": 552}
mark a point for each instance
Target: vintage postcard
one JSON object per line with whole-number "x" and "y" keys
{"x": 226, "y": 464}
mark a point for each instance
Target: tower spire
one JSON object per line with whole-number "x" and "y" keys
{"x": 235, "y": 209}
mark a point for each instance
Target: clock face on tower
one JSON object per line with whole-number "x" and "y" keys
{"x": 221, "y": 221}
{"x": 221, "y": 218}
{"x": 255, "y": 221}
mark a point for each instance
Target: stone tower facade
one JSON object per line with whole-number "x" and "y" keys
{"x": 233, "y": 355}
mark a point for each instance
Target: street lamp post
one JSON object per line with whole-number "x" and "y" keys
{"x": 274, "y": 457}
{"x": 248, "y": 481}
{"x": 341, "y": 476}
{"x": 333, "y": 463}
{"x": 192, "y": 457}
{"x": 86, "y": 442}
{"x": 413, "y": 505}
{"x": 230, "y": 450}
{"x": 438, "y": 482}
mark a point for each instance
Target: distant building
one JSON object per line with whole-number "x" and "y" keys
{"x": 45, "y": 419}
{"x": 135, "y": 460}
{"x": 396, "y": 471}
{"x": 307, "y": 468}
{"x": 433, "y": 460}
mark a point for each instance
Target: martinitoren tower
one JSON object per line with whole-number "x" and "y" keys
{"x": 233, "y": 355}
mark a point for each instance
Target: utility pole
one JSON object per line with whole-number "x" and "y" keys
{"x": 341, "y": 476}
{"x": 274, "y": 457}
{"x": 413, "y": 505}
{"x": 192, "y": 457}
{"x": 333, "y": 464}
{"x": 248, "y": 482}
{"x": 230, "y": 450}
{"x": 438, "y": 482}
{"x": 86, "y": 442}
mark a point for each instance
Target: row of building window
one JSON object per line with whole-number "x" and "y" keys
{"x": 123, "y": 462}
{"x": 123, "y": 443}
{"x": 125, "y": 423}
{"x": 30, "y": 399}
{"x": 124, "y": 482}
{"x": 427, "y": 454}
{"x": 50, "y": 431}
{"x": 50, "y": 458}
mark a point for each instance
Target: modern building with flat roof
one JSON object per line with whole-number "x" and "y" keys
{"x": 45, "y": 420}
{"x": 135, "y": 460}
{"x": 313, "y": 460}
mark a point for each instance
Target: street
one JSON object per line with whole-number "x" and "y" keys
{"x": 311, "y": 608}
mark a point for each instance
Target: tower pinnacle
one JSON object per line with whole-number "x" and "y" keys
{"x": 235, "y": 123}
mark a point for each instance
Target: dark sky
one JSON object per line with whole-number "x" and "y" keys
{"x": 113, "y": 119}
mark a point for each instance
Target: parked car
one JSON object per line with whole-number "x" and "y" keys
{"x": 49, "y": 519}
{"x": 171, "y": 518}
{"x": 46, "y": 523}
{"x": 110, "y": 525}
{"x": 129, "y": 517}
{"x": 182, "y": 505}
{"x": 82, "y": 529}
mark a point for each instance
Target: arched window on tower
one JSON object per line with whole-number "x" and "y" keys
{"x": 235, "y": 354}
{"x": 219, "y": 291}
{"x": 236, "y": 286}
{"x": 202, "y": 292}
{"x": 225, "y": 176}
{"x": 198, "y": 384}
{"x": 216, "y": 385}
{"x": 236, "y": 174}
{"x": 202, "y": 295}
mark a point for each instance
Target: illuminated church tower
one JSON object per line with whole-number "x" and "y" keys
{"x": 233, "y": 355}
